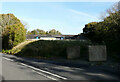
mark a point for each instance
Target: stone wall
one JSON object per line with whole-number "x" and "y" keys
{"x": 73, "y": 52}
{"x": 97, "y": 53}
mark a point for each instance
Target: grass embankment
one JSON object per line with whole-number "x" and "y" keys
{"x": 17, "y": 48}
{"x": 57, "y": 49}
{"x": 48, "y": 49}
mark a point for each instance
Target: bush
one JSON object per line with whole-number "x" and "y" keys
{"x": 6, "y": 51}
{"x": 51, "y": 48}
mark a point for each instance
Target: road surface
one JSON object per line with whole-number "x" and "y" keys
{"x": 13, "y": 70}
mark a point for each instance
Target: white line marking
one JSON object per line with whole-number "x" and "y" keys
{"x": 33, "y": 70}
{"x": 44, "y": 75}
{"x": 8, "y": 59}
{"x": 44, "y": 71}
{"x": 38, "y": 69}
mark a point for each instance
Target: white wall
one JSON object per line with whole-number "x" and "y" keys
{"x": 48, "y": 38}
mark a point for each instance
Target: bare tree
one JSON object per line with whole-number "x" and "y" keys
{"x": 109, "y": 11}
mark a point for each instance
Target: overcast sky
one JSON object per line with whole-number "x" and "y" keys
{"x": 67, "y": 17}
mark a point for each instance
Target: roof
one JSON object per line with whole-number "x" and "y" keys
{"x": 66, "y": 36}
{"x": 80, "y": 37}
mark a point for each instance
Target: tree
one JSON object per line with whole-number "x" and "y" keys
{"x": 105, "y": 31}
{"x": 91, "y": 31}
{"x": 47, "y": 32}
{"x": 13, "y": 31}
{"x": 54, "y": 32}
{"x": 34, "y": 32}
{"x": 41, "y": 32}
{"x": 7, "y": 19}
{"x": 29, "y": 32}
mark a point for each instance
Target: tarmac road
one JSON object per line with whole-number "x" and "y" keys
{"x": 13, "y": 70}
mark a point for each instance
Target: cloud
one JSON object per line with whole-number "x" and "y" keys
{"x": 81, "y": 13}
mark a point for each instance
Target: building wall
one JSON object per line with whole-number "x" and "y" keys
{"x": 48, "y": 38}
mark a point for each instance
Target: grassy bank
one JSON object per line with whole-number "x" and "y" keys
{"x": 17, "y": 48}
{"x": 57, "y": 49}
{"x": 49, "y": 49}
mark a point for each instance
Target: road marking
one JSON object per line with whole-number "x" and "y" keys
{"x": 44, "y": 75}
{"x": 40, "y": 71}
{"x": 8, "y": 59}
{"x": 44, "y": 71}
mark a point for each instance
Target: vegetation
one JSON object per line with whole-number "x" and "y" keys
{"x": 48, "y": 49}
{"x": 42, "y": 32}
{"x": 54, "y": 32}
{"x": 13, "y": 31}
{"x": 106, "y": 31}
{"x": 17, "y": 48}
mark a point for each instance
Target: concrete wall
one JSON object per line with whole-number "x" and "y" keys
{"x": 97, "y": 53}
{"x": 47, "y": 38}
{"x": 73, "y": 52}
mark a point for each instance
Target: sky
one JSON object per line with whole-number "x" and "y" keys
{"x": 67, "y": 17}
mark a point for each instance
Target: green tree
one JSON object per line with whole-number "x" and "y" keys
{"x": 54, "y": 32}
{"x": 14, "y": 31}
{"x": 7, "y": 19}
{"x": 106, "y": 30}
{"x": 34, "y": 32}
{"x": 47, "y": 32}
{"x": 41, "y": 32}
{"x": 29, "y": 32}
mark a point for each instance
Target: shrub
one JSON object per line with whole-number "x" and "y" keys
{"x": 51, "y": 48}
